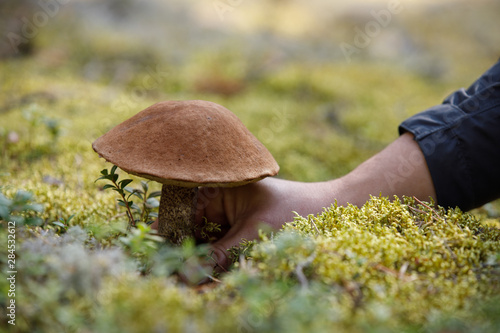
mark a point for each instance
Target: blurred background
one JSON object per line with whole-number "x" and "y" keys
{"x": 323, "y": 84}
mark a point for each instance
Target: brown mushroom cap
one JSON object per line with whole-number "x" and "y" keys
{"x": 189, "y": 144}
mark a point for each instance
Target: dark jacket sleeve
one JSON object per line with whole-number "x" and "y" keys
{"x": 460, "y": 139}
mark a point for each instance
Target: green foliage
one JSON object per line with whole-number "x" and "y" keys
{"x": 32, "y": 142}
{"x": 208, "y": 228}
{"x": 35, "y": 117}
{"x": 141, "y": 243}
{"x": 189, "y": 263}
{"x": 62, "y": 223}
{"x": 349, "y": 269}
{"x": 149, "y": 201}
{"x": 60, "y": 279}
{"x": 242, "y": 250}
{"x": 20, "y": 209}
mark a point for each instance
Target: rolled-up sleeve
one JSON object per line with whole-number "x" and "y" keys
{"x": 460, "y": 139}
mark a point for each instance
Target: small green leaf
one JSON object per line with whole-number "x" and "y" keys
{"x": 124, "y": 183}
{"x": 4, "y": 213}
{"x": 35, "y": 207}
{"x": 152, "y": 203}
{"x": 138, "y": 194}
{"x": 4, "y": 201}
{"x": 104, "y": 172}
{"x": 154, "y": 194}
{"x": 119, "y": 190}
{"x": 129, "y": 189}
{"x": 153, "y": 214}
{"x": 105, "y": 187}
{"x": 124, "y": 240}
{"x": 133, "y": 191}
{"x": 108, "y": 177}
{"x": 113, "y": 169}
{"x": 33, "y": 221}
{"x": 102, "y": 177}
{"x": 70, "y": 218}
{"x": 59, "y": 224}
{"x": 23, "y": 196}
{"x": 144, "y": 185}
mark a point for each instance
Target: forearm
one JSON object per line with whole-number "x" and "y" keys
{"x": 400, "y": 169}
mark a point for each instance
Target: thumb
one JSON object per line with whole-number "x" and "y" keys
{"x": 220, "y": 254}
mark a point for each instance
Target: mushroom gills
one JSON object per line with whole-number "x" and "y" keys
{"x": 177, "y": 212}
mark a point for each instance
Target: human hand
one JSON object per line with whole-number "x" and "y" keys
{"x": 241, "y": 211}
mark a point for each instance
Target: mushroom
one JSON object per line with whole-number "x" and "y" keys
{"x": 184, "y": 145}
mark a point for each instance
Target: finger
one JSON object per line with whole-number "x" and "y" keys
{"x": 247, "y": 230}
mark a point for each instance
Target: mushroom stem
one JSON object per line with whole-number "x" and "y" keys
{"x": 177, "y": 212}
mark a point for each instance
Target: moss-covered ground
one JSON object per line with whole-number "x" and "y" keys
{"x": 397, "y": 265}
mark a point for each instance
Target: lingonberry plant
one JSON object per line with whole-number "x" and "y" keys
{"x": 143, "y": 212}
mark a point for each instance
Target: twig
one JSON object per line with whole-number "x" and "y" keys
{"x": 400, "y": 275}
{"x": 304, "y": 283}
{"x": 403, "y": 269}
{"x": 213, "y": 278}
{"x": 445, "y": 243}
{"x": 425, "y": 205}
{"x": 314, "y": 225}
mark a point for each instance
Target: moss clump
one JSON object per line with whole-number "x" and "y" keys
{"x": 389, "y": 265}
{"x": 409, "y": 256}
